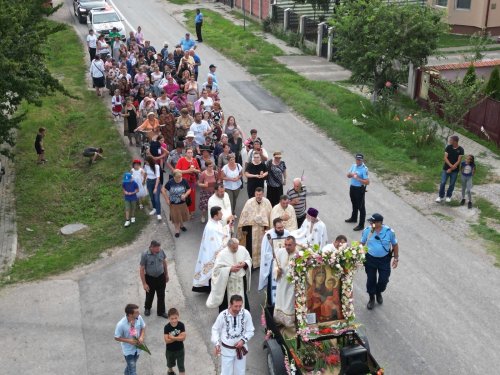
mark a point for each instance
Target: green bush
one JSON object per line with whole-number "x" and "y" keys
{"x": 470, "y": 76}
{"x": 493, "y": 85}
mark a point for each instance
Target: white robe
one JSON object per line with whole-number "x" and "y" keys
{"x": 266, "y": 263}
{"x": 223, "y": 279}
{"x": 310, "y": 234}
{"x": 215, "y": 237}
{"x": 223, "y": 203}
{"x": 278, "y": 211}
{"x": 284, "y": 310}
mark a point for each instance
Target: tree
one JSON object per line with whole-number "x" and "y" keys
{"x": 470, "y": 76}
{"x": 372, "y": 37}
{"x": 24, "y": 30}
{"x": 493, "y": 86}
{"x": 455, "y": 99}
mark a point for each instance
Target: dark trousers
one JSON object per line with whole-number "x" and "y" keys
{"x": 198, "y": 31}
{"x": 374, "y": 265}
{"x": 300, "y": 220}
{"x": 274, "y": 194}
{"x": 357, "y": 194}
{"x": 156, "y": 285}
{"x": 92, "y": 52}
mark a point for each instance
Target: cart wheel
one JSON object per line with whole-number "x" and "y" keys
{"x": 275, "y": 358}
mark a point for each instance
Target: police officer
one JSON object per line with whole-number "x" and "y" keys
{"x": 382, "y": 246}
{"x": 154, "y": 276}
{"x": 358, "y": 173}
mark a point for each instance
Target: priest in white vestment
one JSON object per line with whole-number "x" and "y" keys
{"x": 271, "y": 242}
{"x": 284, "y": 309}
{"x": 312, "y": 232}
{"x": 221, "y": 199}
{"x": 231, "y": 275}
{"x": 285, "y": 211}
{"x": 215, "y": 237}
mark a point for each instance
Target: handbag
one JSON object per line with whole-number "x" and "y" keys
{"x": 188, "y": 200}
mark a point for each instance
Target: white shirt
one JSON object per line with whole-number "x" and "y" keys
{"x": 150, "y": 174}
{"x": 232, "y": 185}
{"x": 223, "y": 203}
{"x": 199, "y": 131}
{"x": 231, "y": 329}
{"x": 97, "y": 69}
{"x": 92, "y": 41}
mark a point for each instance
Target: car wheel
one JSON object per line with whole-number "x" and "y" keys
{"x": 81, "y": 19}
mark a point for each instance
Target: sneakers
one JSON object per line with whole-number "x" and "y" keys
{"x": 152, "y": 212}
{"x": 127, "y": 223}
{"x": 462, "y": 202}
{"x": 469, "y": 205}
{"x": 158, "y": 217}
{"x": 448, "y": 200}
{"x": 132, "y": 220}
{"x": 203, "y": 218}
{"x": 141, "y": 206}
{"x": 438, "y": 199}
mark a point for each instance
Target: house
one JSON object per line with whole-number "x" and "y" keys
{"x": 470, "y": 16}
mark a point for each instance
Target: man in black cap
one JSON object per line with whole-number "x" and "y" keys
{"x": 154, "y": 276}
{"x": 358, "y": 173}
{"x": 382, "y": 246}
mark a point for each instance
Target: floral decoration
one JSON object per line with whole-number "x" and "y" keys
{"x": 344, "y": 262}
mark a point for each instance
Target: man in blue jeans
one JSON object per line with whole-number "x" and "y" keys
{"x": 452, "y": 157}
{"x": 130, "y": 331}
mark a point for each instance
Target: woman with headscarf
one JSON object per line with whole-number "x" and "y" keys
{"x": 190, "y": 169}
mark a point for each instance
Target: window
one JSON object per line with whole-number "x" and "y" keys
{"x": 442, "y": 3}
{"x": 463, "y": 4}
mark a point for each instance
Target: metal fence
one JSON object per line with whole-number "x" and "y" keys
{"x": 293, "y": 22}
{"x": 311, "y": 29}
{"x": 484, "y": 120}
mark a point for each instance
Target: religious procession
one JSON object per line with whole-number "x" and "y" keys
{"x": 198, "y": 160}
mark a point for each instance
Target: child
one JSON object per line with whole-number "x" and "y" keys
{"x": 40, "y": 150}
{"x": 139, "y": 176}
{"x": 468, "y": 169}
{"x": 175, "y": 334}
{"x": 130, "y": 190}
{"x": 117, "y": 105}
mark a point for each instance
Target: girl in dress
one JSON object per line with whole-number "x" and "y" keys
{"x": 139, "y": 176}
{"x": 117, "y": 105}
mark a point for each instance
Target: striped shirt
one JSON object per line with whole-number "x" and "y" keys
{"x": 300, "y": 208}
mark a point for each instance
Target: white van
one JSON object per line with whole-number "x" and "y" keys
{"x": 103, "y": 20}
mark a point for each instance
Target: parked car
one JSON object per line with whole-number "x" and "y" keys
{"x": 103, "y": 20}
{"x": 81, "y": 8}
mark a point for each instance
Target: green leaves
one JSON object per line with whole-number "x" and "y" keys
{"x": 371, "y": 35}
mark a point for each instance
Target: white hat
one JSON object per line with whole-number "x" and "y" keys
{"x": 190, "y": 134}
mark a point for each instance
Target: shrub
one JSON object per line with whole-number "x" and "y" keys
{"x": 493, "y": 85}
{"x": 470, "y": 76}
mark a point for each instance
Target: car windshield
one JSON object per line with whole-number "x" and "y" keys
{"x": 105, "y": 18}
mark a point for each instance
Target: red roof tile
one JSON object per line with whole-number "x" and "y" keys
{"x": 465, "y": 65}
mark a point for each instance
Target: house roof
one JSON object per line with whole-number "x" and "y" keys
{"x": 465, "y": 65}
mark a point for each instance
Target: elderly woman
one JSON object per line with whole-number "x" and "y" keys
{"x": 156, "y": 77}
{"x": 236, "y": 143}
{"x": 205, "y": 102}
{"x": 167, "y": 127}
{"x": 183, "y": 124}
{"x": 206, "y": 183}
{"x": 150, "y": 127}
{"x": 191, "y": 89}
{"x": 176, "y": 191}
{"x": 190, "y": 168}
{"x": 140, "y": 77}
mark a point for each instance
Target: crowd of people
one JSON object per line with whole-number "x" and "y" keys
{"x": 199, "y": 160}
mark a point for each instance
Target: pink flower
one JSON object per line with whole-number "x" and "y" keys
{"x": 388, "y": 84}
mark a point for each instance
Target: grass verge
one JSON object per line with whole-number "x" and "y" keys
{"x": 487, "y": 227}
{"x": 180, "y": 2}
{"x": 455, "y": 40}
{"x": 66, "y": 189}
{"x": 329, "y": 106}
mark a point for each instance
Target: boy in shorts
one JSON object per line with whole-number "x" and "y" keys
{"x": 175, "y": 334}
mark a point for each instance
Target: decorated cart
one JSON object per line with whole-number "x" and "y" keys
{"x": 325, "y": 337}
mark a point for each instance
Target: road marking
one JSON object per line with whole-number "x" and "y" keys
{"x": 122, "y": 16}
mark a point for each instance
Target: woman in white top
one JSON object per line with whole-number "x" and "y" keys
{"x": 91, "y": 44}
{"x": 153, "y": 185}
{"x": 207, "y": 101}
{"x": 162, "y": 101}
{"x": 231, "y": 178}
{"x": 156, "y": 77}
{"x": 102, "y": 47}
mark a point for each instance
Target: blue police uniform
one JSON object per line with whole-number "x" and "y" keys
{"x": 198, "y": 21}
{"x": 357, "y": 194}
{"x": 378, "y": 258}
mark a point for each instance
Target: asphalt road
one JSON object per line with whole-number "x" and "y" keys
{"x": 442, "y": 304}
